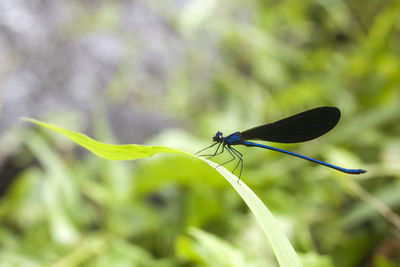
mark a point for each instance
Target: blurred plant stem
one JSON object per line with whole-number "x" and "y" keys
{"x": 375, "y": 203}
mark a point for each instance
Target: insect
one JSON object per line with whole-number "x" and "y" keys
{"x": 304, "y": 126}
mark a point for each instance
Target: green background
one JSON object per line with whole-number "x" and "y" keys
{"x": 242, "y": 64}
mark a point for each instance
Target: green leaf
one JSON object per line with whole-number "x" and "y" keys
{"x": 108, "y": 151}
{"x": 280, "y": 244}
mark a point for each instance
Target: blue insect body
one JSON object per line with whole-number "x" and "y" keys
{"x": 301, "y": 127}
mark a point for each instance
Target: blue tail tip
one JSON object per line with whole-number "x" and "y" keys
{"x": 355, "y": 171}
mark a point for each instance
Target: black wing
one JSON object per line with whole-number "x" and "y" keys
{"x": 301, "y": 127}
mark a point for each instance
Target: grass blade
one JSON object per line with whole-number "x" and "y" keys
{"x": 109, "y": 151}
{"x": 280, "y": 244}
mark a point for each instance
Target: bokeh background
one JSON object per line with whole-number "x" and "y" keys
{"x": 172, "y": 73}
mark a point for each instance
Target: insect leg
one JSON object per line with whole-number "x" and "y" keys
{"x": 233, "y": 157}
{"x": 206, "y": 148}
{"x": 216, "y": 152}
{"x": 240, "y": 156}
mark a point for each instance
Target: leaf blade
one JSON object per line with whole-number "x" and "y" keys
{"x": 280, "y": 244}
{"x": 109, "y": 151}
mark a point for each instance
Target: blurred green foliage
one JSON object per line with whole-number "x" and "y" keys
{"x": 246, "y": 63}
